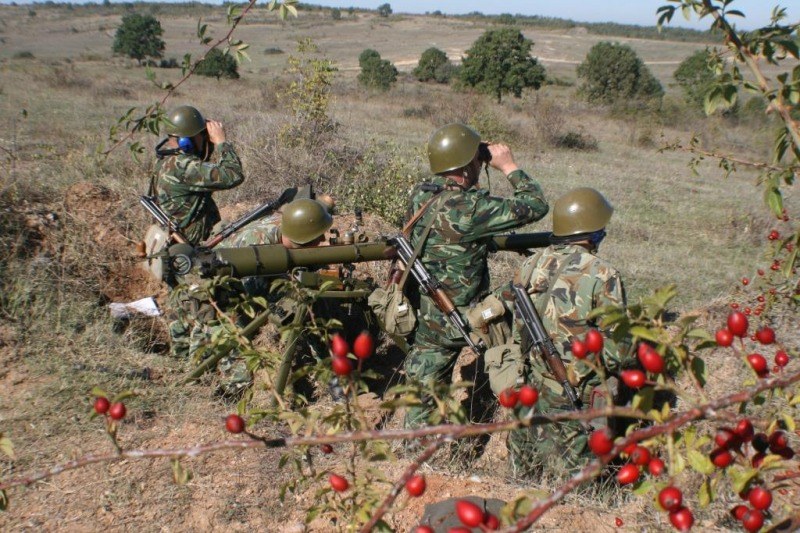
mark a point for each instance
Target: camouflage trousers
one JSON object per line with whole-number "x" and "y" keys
{"x": 431, "y": 359}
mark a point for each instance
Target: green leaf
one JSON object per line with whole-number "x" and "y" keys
{"x": 740, "y": 478}
{"x": 642, "y": 332}
{"x": 788, "y": 265}
{"x": 774, "y": 199}
{"x": 700, "y": 462}
{"x": 643, "y": 400}
{"x": 3, "y": 500}
{"x": 6, "y": 446}
{"x": 698, "y": 367}
{"x": 704, "y": 494}
{"x": 97, "y": 392}
{"x": 644, "y": 488}
{"x": 699, "y": 333}
{"x": 179, "y": 473}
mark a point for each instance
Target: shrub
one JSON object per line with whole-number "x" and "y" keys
{"x": 138, "y": 37}
{"x": 613, "y": 73}
{"x": 499, "y": 62}
{"x": 376, "y": 73}
{"x": 695, "y": 78}
{"x": 24, "y": 54}
{"x": 168, "y": 63}
{"x": 336, "y": 13}
{"x": 430, "y": 64}
{"x": 384, "y": 10}
{"x": 218, "y": 65}
{"x": 272, "y": 51}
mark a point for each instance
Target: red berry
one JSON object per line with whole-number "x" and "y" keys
{"x": 724, "y": 337}
{"x": 459, "y": 529}
{"x": 594, "y": 341}
{"x": 738, "y": 511}
{"x": 744, "y": 430}
{"x": 416, "y": 485}
{"x": 761, "y": 296}
{"x": 628, "y": 474}
{"x": 726, "y": 438}
{"x": 101, "y": 405}
{"x": 651, "y": 360}
{"x": 628, "y": 450}
{"x": 760, "y": 271}
{"x": 470, "y": 514}
{"x": 774, "y": 235}
{"x": 655, "y": 467}
{"x": 618, "y": 522}
{"x": 234, "y": 423}
{"x": 737, "y": 324}
{"x": 117, "y": 411}
{"x": 339, "y": 346}
{"x": 758, "y": 459}
{"x": 424, "y": 529}
{"x": 600, "y": 441}
{"x": 765, "y": 335}
{"x": 640, "y": 456}
{"x": 508, "y": 398}
{"x": 777, "y": 441}
{"x": 734, "y": 305}
{"x": 721, "y": 458}
{"x": 492, "y": 523}
{"x": 326, "y": 448}
{"x": 364, "y": 345}
{"x": 528, "y": 395}
{"x": 758, "y": 363}
{"x": 341, "y": 365}
{"x": 681, "y": 519}
{"x": 670, "y": 498}
{"x": 745, "y": 281}
{"x": 338, "y": 483}
{"x": 752, "y": 520}
{"x": 760, "y": 498}
{"x": 781, "y": 359}
{"x": 579, "y": 349}
{"x": 633, "y": 378}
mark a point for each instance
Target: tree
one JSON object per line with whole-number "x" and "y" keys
{"x": 139, "y": 36}
{"x": 218, "y": 65}
{"x": 612, "y": 72}
{"x": 499, "y": 62}
{"x": 695, "y": 77}
{"x": 336, "y": 13}
{"x": 384, "y": 10}
{"x": 376, "y": 73}
{"x": 433, "y": 65}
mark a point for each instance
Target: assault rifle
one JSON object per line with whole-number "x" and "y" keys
{"x": 435, "y": 291}
{"x": 543, "y": 343}
{"x": 162, "y": 217}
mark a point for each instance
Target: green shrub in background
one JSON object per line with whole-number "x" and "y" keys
{"x": 218, "y": 64}
{"x": 695, "y": 78}
{"x": 434, "y": 66}
{"x": 138, "y": 37}
{"x": 376, "y": 73}
{"x": 613, "y": 73}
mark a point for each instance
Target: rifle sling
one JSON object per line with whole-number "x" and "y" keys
{"x": 410, "y": 226}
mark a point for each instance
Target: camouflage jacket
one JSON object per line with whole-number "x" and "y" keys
{"x": 566, "y": 284}
{"x": 455, "y": 251}
{"x": 183, "y": 184}
{"x": 264, "y": 231}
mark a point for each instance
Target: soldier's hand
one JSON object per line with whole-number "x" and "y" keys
{"x": 502, "y": 158}
{"x": 216, "y": 134}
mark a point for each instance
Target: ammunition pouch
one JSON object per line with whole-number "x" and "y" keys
{"x": 505, "y": 366}
{"x": 393, "y": 310}
{"x": 487, "y": 321}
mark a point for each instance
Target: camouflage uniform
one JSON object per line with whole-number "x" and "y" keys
{"x": 456, "y": 253}
{"x": 264, "y": 231}
{"x": 566, "y": 283}
{"x": 184, "y": 183}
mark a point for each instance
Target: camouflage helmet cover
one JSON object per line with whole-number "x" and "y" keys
{"x": 452, "y": 146}
{"x": 581, "y": 210}
{"x": 185, "y": 121}
{"x": 305, "y": 220}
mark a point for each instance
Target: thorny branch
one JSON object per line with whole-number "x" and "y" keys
{"x": 445, "y": 432}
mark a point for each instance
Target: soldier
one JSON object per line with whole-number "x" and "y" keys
{"x": 450, "y": 223}
{"x": 566, "y": 282}
{"x": 302, "y": 224}
{"x": 184, "y": 176}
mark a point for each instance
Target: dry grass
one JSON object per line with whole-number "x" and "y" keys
{"x": 56, "y": 342}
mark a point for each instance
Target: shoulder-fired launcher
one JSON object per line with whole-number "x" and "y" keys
{"x": 275, "y": 259}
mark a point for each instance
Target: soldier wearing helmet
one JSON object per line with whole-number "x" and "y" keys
{"x": 301, "y": 224}
{"x": 451, "y": 221}
{"x": 567, "y": 281}
{"x": 185, "y": 177}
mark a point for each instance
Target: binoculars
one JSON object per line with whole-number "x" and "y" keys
{"x": 484, "y": 155}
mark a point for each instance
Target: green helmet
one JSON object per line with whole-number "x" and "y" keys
{"x": 304, "y": 220}
{"x": 185, "y": 121}
{"x": 451, "y": 147}
{"x": 581, "y": 210}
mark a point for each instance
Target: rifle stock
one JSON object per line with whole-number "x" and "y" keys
{"x": 149, "y": 203}
{"x": 259, "y": 212}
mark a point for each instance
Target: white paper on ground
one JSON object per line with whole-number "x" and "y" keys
{"x": 145, "y": 306}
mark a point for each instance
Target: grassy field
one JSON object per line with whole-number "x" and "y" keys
{"x": 71, "y": 220}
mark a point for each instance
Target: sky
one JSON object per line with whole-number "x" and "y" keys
{"x": 641, "y": 12}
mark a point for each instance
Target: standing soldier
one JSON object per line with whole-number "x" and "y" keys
{"x": 450, "y": 222}
{"x": 184, "y": 177}
{"x": 566, "y": 281}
